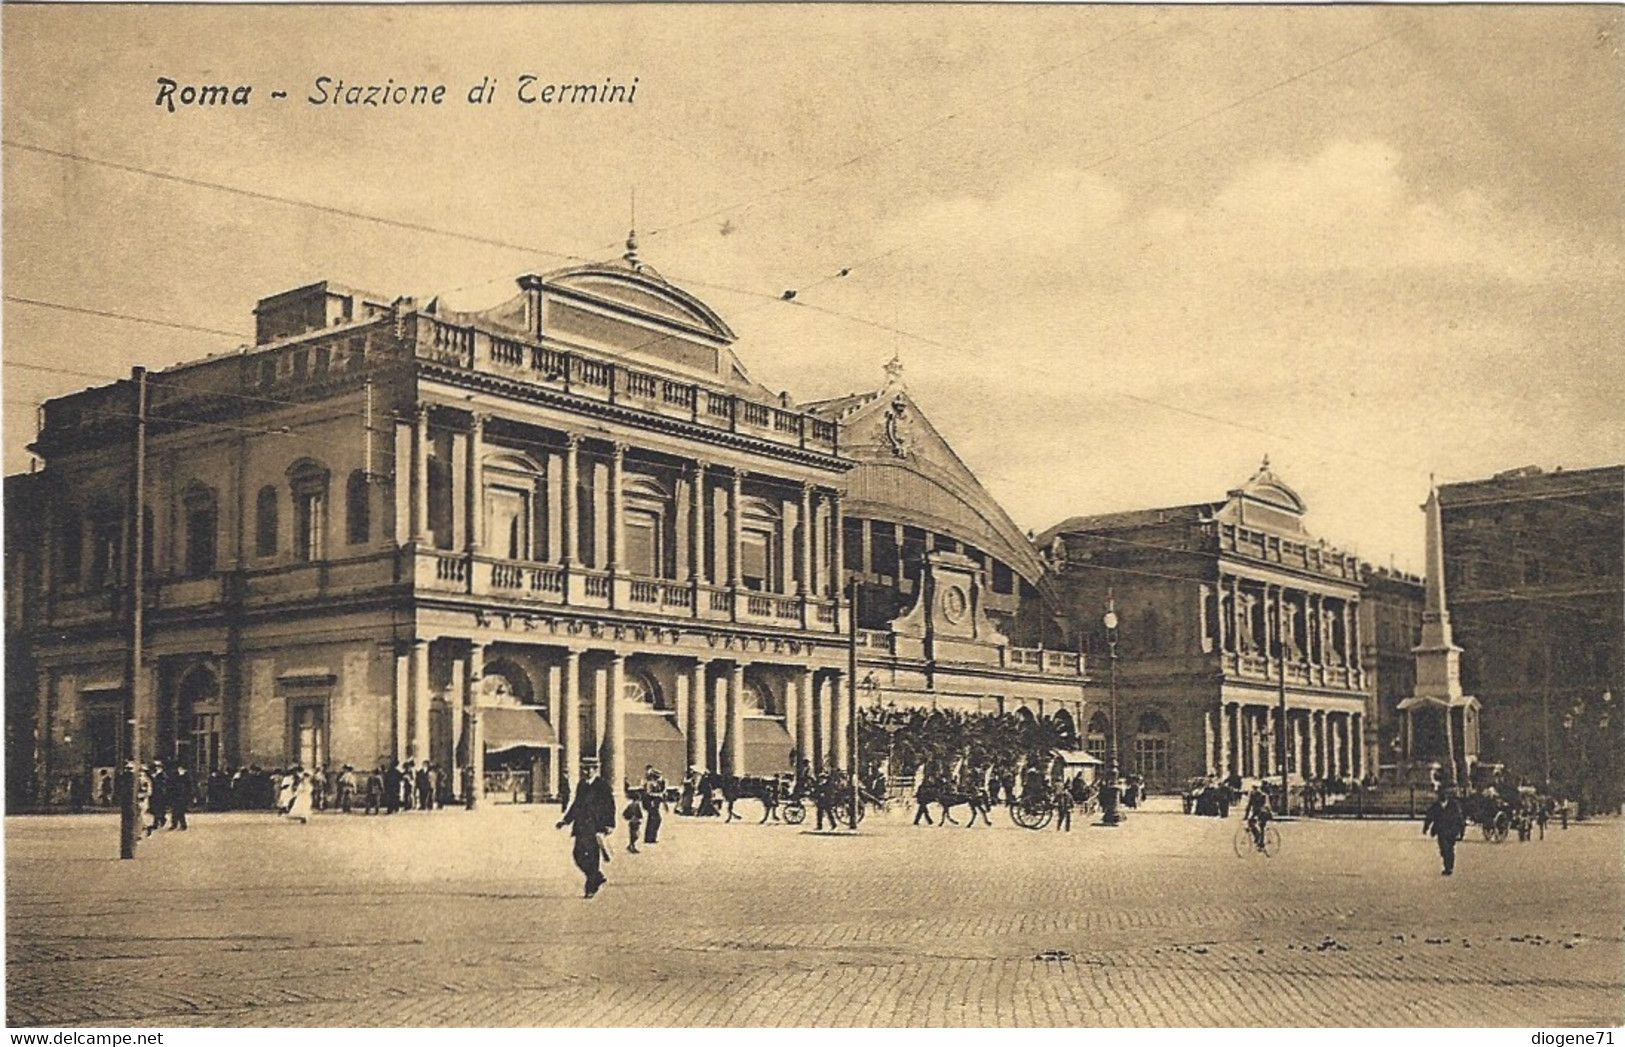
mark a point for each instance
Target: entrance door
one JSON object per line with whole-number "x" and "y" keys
{"x": 310, "y": 735}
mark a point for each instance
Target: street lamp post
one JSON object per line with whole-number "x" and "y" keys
{"x": 1111, "y": 814}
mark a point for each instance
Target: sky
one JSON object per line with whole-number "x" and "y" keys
{"x": 1123, "y": 252}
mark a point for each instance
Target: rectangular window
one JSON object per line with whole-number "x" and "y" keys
{"x": 756, "y": 560}
{"x": 507, "y": 516}
{"x": 309, "y": 525}
{"x": 1151, "y": 757}
{"x": 200, "y": 537}
{"x": 642, "y": 558}
{"x": 310, "y": 735}
{"x": 104, "y": 554}
{"x": 205, "y": 743}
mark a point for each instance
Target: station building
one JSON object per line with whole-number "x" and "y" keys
{"x": 570, "y": 525}
{"x": 1227, "y": 611}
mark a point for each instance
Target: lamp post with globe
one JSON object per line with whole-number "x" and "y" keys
{"x": 1110, "y": 794}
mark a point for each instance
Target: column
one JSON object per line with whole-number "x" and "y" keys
{"x": 476, "y": 485}
{"x": 1357, "y": 729}
{"x": 806, "y": 740}
{"x": 420, "y": 476}
{"x": 792, "y": 711}
{"x": 837, "y": 548}
{"x": 569, "y": 510}
{"x": 1355, "y": 661}
{"x": 418, "y": 743}
{"x": 474, "y": 738}
{"x": 735, "y": 499}
{"x": 734, "y": 747}
{"x": 1209, "y": 740}
{"x": 613, "y": 754}
{"x": 617, "y": 515}
{"x": 1235, "y": 613}
{"x": 569, "y": 721}
{"x": 1221, "y": 624}
{"x": 697, "y": 720}
{"x": 1225, "y": 736}
{"x": 1316, "y": 770}
{"x": 1271, "y": 739}
{"x": 718, "y": 734}
{"x": 1317, "y": 652}
{"x": 840, "y": 721}
{"x": 403, "y": 704}
{"x": 805, "y": 583}
{"x": 696, "y": 523}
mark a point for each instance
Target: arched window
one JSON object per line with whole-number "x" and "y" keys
{"x": 309, "y": 482}
{"x": 1095, "y": 740}
{"x": 357, "y": 509}
{"x": 756, "y": 700}
{"x": 265, "y": 512}
{"x": 642, "y": 691}
{"x": 505, "y": 682}
{"x": 202, "y": 523}
{"x": 71, "y": 540}
{"x": 197, "y": 701}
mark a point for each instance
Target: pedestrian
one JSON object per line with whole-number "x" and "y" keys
{"x": 591, "y": 815}
{"x": 633, "y": 813}
{"x": 392, "y": 787}
{"x": 1445, "y": 822}
{"x": 180, "y": 797}
{"x": 1063, "y": 809}
{"x": 923, "y": 794}
{"x": 300, "y": 799}
{"x": 1543, "y": 814}
{"x": 654, "y": 798}
{"x": 423, "y": 788}
{"x": 346, "y": 783}
{"x": 375, "y": 790}
{"x": 158, "y": 798}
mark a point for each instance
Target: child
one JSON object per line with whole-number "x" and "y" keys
{"x": 634, "y": 822}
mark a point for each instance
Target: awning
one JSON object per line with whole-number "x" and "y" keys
{"x": 651, "y": 727}
{"x": 1075, "y": 756}
{"x": 507, "y": 727}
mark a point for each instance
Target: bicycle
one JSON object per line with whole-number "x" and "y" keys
{"x": 1245, "y": 843}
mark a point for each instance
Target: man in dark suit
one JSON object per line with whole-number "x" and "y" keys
{"x": 591, "y": 815}
{"x": 180, "y": 797}
{"x": 1447, "y": 823}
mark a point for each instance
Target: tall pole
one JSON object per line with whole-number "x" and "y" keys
{"x": 1280, "y": 726}
{"x": 135, "y": 597}
{"x": 852, "y": 695}
{"x": 1110, "y": 796}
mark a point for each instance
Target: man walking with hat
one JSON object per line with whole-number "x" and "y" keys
{"x": 590, "y": 816}
{"x": 1447, "y": 823}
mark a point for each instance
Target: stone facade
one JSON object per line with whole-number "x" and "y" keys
{"x": 1226, "y": 611}
{"x": 1533, "y": 572}
{"x": 571, "y": 525}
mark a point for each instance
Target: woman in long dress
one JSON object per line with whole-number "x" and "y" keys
{"x": 299, "y": 807}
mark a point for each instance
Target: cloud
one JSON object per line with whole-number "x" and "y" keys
{"x": 1351, "y": 208}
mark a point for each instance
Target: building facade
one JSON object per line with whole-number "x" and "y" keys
{"x": 1533, "y": 571}
{"x": 1390, "y": 628}
{"x": 502, "y": 541}
{"x": 1227, "y": 612}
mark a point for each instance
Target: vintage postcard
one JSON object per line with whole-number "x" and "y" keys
{"x": 813, "y": 516}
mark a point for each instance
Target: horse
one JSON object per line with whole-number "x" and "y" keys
{"x": 947, "y": 796}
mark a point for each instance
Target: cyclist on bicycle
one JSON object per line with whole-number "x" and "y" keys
{"x": 1258, "y": 815}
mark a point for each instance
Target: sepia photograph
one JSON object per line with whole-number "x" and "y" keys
{"x": 813, "y": 516}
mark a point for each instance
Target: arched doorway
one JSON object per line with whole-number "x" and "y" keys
{"x": 198, "y": 715}
{"x": 1096, "y": 739}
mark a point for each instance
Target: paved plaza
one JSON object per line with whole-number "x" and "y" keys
{"x": 476, "y": 919}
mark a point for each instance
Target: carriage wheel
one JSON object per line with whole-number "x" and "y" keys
{"x": 795, "y": 812}
{"x": 1030, "y": 816}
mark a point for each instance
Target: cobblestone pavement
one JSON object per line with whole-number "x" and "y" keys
{"x": 476, "y": 919}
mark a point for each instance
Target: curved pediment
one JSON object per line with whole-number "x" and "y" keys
{"x": 907, "y": 472}
{"x": 640, "y": 292}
